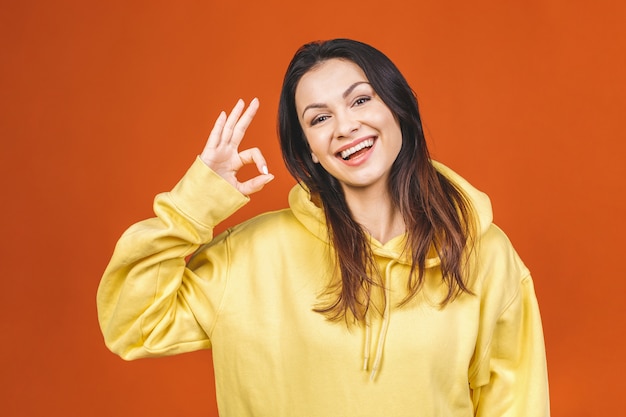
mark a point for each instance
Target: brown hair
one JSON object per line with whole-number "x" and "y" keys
{"x": 436, "y": 213}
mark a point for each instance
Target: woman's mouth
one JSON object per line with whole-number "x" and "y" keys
{"x": 357, "y": 149}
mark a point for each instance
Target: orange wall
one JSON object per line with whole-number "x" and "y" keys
{"x": 104, "y": 104}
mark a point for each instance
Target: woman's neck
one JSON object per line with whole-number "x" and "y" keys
{"x": 373, "y": 209}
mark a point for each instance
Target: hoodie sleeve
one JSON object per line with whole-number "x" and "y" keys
{"x": 149, "y": 302}
{"x": 510, "y": 379}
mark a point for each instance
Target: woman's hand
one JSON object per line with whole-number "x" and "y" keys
{"x": 221, "y": 152}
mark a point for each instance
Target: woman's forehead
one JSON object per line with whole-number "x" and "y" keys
{"x": 328, "y": 79}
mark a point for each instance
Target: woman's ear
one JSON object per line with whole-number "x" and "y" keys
{"x": 314, "y": 158}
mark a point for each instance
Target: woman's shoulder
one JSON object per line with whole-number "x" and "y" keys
{"x": 267, "y": 226}
{"x": 498, "y": 265}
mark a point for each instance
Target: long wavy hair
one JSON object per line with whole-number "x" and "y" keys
{"x": 436, "y": 213}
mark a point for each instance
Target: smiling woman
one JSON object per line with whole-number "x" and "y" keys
{"x": 384, "y": 289}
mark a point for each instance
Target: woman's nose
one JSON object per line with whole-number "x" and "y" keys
{"x": 346, "y": 125}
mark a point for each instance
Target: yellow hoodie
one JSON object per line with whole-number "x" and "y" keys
{"x": 248, "y": 294}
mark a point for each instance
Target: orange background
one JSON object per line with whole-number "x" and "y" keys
{"x": 104, "y": 104}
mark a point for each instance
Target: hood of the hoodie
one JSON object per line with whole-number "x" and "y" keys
{"x": 312, "y": 216}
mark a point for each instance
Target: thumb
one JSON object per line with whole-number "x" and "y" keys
{"x": 255, "y": 184}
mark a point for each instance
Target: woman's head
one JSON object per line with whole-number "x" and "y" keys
{"x": 351, "y": 132}
{"x": 387, "y": 82}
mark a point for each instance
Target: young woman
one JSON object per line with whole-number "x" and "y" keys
{"x": 384, "y": 289}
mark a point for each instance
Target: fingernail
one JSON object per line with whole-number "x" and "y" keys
{"x": 264, "y": 170}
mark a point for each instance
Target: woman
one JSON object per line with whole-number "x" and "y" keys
{"x": 383, "y": 290}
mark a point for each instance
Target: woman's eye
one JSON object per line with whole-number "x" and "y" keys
{"x": 318, "y": 119}
{"x": 361, "y": 100}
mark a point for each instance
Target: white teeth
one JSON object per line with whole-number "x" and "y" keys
{"x": 365, "y": 144}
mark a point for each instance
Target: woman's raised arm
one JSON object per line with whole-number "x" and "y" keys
{"x": 149, "y": 302}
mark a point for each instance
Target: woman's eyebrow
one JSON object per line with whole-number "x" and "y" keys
{"x": 352, "y": 87}
{"x": 344, "y": 95}
{"x": 313, "y": 106}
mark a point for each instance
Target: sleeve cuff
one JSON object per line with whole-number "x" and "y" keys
{"x": 206, "y": 197}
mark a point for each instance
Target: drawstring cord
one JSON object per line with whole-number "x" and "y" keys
{"x": 366, "y": 346}
{"x": 382, "y": 334}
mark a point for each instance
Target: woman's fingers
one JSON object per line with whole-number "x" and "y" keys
{"x": 231, "y": 121}
{"x": 237, "y": 123}
{"x": 221, "y": 150}
{"x": 254, "y": 184}
{"x": 216, "y": 133}
{"x": 239, "y": 130}
{"x": 233, "y": 128}
{"x": 254, "y": 156}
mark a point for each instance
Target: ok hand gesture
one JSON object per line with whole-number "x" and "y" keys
{"x": 221, "y": 152}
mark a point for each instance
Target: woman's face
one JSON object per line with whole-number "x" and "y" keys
{"x": 350, "y": 130}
